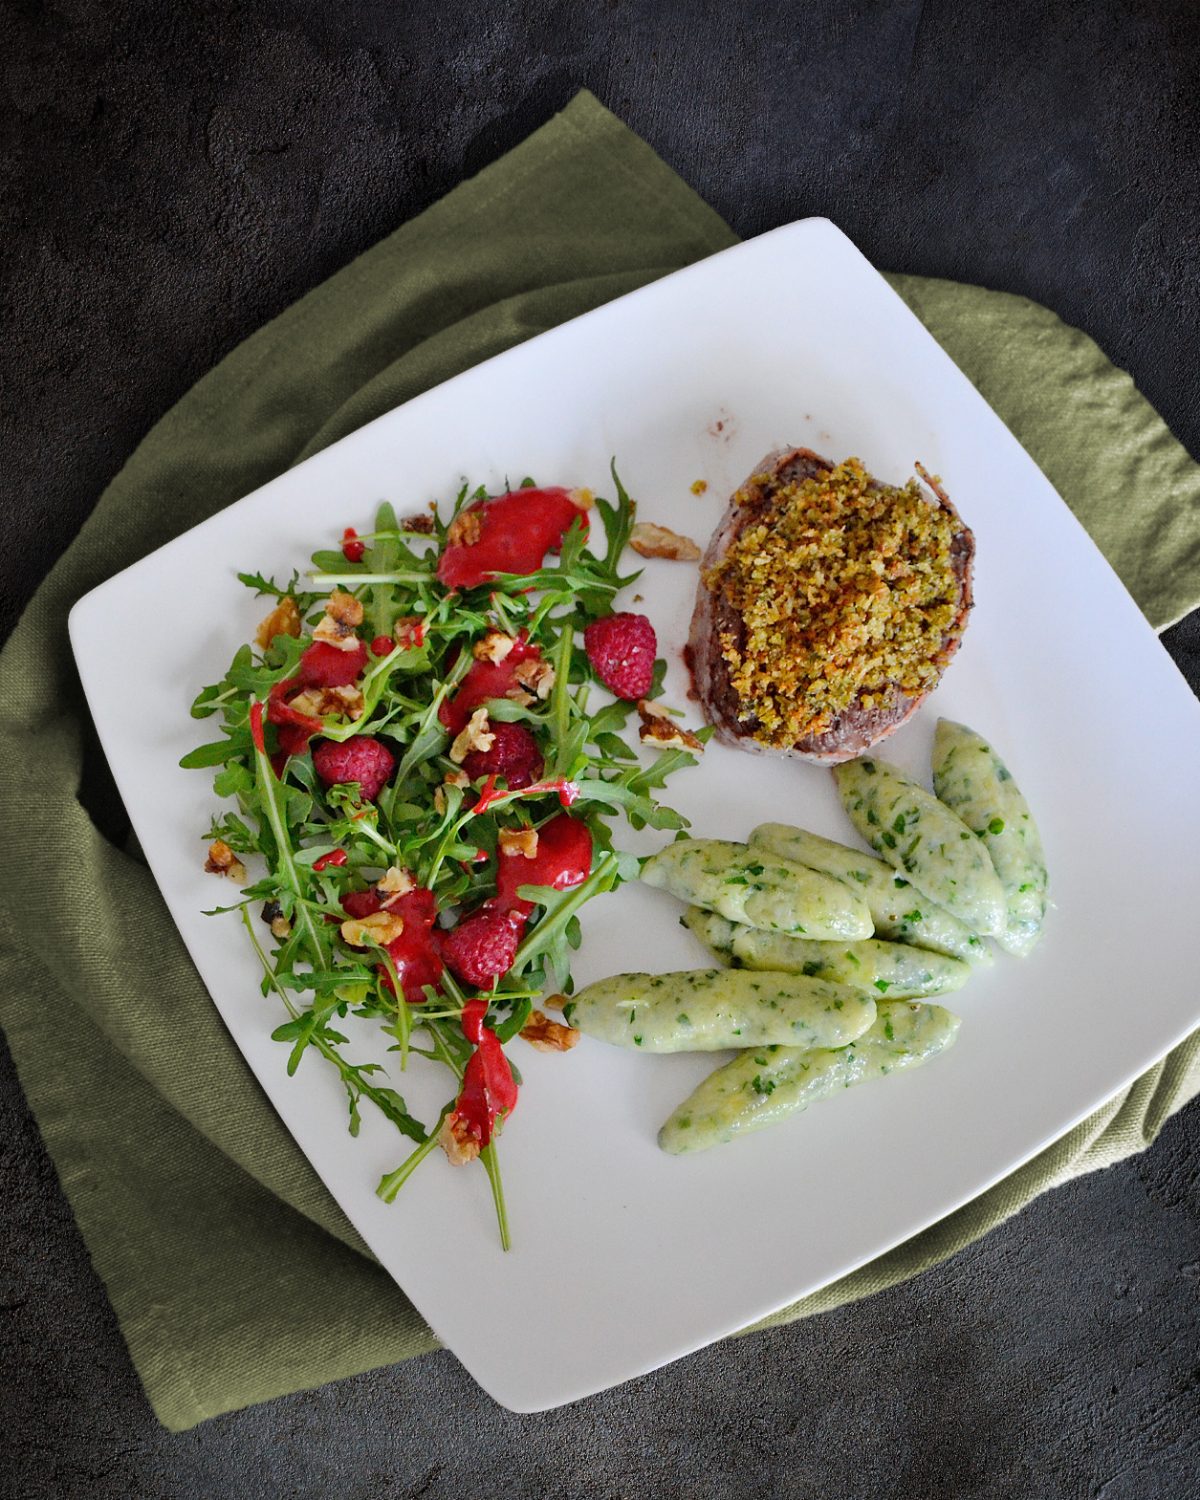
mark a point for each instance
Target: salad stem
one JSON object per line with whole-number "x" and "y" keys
{"x": 403, "y": 1018}
{"x": 354, "y": 580}
{"x": 391, "y": 1183}
{"x": 560, "y": 694}
{"x": 491, "y": 1164}
{"x": 283, "y": 846}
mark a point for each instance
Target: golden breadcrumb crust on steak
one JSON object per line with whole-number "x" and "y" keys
{"x": 828, "y": 606}
{"x": 846, "y": 590}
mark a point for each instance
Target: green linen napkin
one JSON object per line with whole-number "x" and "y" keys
{"x": 233, "y": 1275}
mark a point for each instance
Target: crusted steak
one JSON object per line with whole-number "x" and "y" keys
{"x": 818, "y": 640}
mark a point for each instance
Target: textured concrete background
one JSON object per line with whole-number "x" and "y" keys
{"x": 173, "y": 175}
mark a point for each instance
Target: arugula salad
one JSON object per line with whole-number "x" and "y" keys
{"x": 425, "y": 775}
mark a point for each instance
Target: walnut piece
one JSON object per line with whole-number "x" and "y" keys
{"x": 536, "y": 675}
{"x": 547, "y": 1035}
{"x": 582, "y": 499}
{"x": 457, "y": 778}
{"x": 457, "y": 1141}
{"x": 335, "y": 633}
{"x": 280, "y": 927}
{"x": 661, "y": 732}
{"x": 475, "y": 736}
{"x": 343, "y": 614}
{"x": 465, "y": 529}
{"x": 522, "y": 841}
{"x": 284, "y": 619}
{"x": 395, "y": 883}
{"x": 422, "y": 524}
{"x": 382, "y": 927}
{"x": 493, "y": 646}
{"x": 319, "y": 703}
{"x": 649, "y": 540}
{"x": 223, "y": 861}
{"x": 344, "y": 608}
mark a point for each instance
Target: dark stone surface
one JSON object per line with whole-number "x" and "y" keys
{"x": 174, "y": 175}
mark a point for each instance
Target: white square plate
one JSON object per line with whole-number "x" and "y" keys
{"x": 625, "y": 1258}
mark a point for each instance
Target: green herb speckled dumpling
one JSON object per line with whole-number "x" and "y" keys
{"x": 705, "y": 1010}
{"x": 764, "y": 1085}
{"x": 759, "y": 888}
{"x": 919, "y": 836}
{"x": 900, "y": 913}
{"x": 972, "y": 780}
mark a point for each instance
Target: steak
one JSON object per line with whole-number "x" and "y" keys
{"x": 855, "y": 728}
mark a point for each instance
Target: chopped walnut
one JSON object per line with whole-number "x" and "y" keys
{"x": 395, "y": 883}
{"x": 536, "y": 675}
{"x": 519, "y": 695}
{"x": 439, "y": 801}
{"x": 284, "y": 619}
{"x": 280, "y": 927}
{"x": 223, "y": 861}
{"x": 583, "y": 499}
{"x": 699, "y": 486}
{"x": 465, "y": 529}
{"x": 522, "y": 841}
{"x": 382, "y": 927}
{"x": 456, "y": 1140}
{"x": 320, "y": 703}
{"x": 475, "y": 736}
{"x": 344, "y": 608}
{"x": 554, "y": 1002}
{"x": 493, "y": 646}
{"x": 661, "y": 732}
{"x": 336, "y": 633}
{"x": 649, "y": 540}
{"x": 422, "y": 524}
{"x": 457, "y": 778}
{"x": 547, "y": 1035}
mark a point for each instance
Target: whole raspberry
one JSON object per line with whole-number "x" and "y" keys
{"x": 362, "y": 759}
{"x": 514, "y": 755}
{"x": 323, "y": 665}
{"x": 483, "y": 945}
{"x": 621, "y": 649}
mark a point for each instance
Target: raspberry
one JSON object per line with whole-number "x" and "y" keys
{"x": 362, "y": 759}
{"x": 323, "y": 665}
{"x": 621, "y": 649}
{"x": 514, "y": 755}
{"x": 483, "y": 945}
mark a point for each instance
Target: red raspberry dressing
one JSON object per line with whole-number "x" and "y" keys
{"x": 515, "y": 533}
{"x": 563, "y": 860}
{"x": 416, "y": 953}
{"x": 488, "y": 1088}
{"x": 484, "y": 680}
